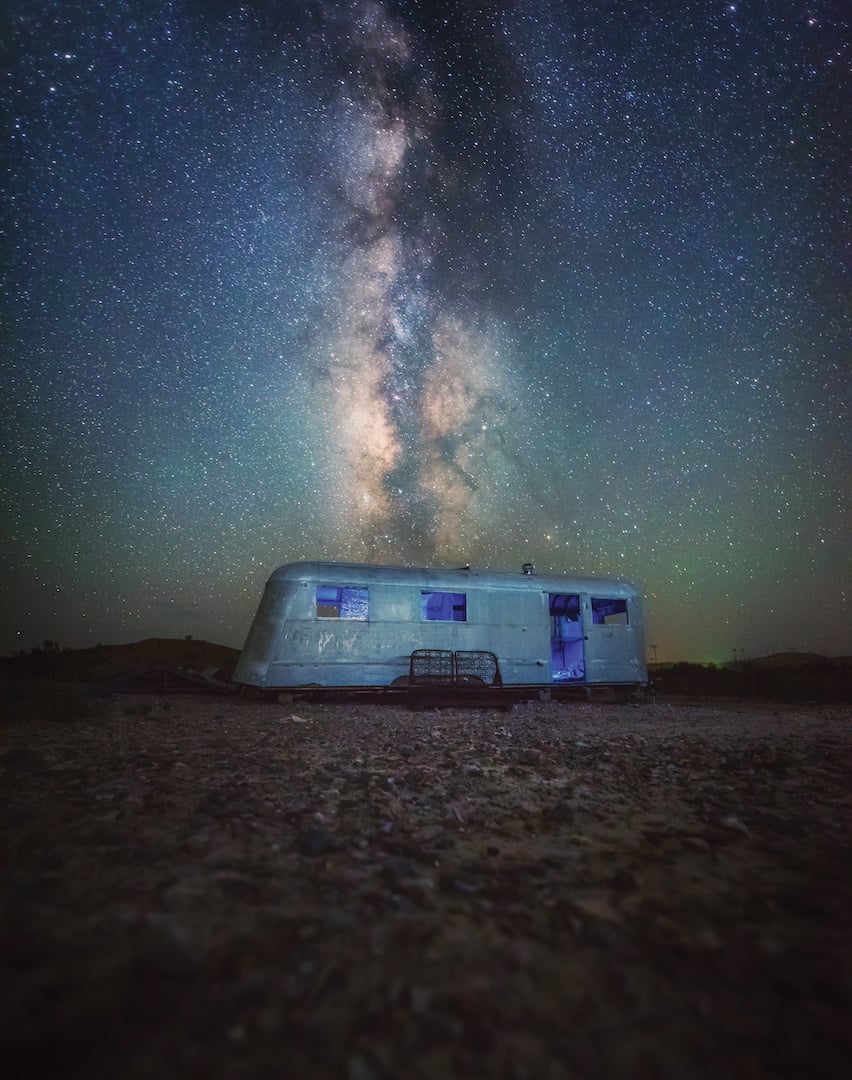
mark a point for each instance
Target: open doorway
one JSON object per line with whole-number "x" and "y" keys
{"x": 566, "y": 639}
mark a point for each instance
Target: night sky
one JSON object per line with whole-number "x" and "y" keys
{"x": 428, "y": 283}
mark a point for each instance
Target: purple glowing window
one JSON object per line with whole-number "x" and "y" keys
{"x": 443, "y": 607}
{"x": 609, "y": 611}
{"x": 341, "y": 602}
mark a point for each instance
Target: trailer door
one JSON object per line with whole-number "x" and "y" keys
{"x": 567, "y": 654}
{"x": 611, "y": 643}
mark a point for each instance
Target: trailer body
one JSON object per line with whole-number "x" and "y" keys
{"x": 336, "y": 625}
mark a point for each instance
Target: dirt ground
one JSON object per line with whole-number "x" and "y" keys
{"x": 203, "y": 887}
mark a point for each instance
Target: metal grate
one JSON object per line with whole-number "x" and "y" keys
{"x": 432, "y": 667}
{"x": 477, "y": 667}
{"x": 441, "y": 667}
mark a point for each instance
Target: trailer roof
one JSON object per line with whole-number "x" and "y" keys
{"x": 333, "y": 573}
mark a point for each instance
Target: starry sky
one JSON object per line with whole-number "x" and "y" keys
{"x": 426, "y": 283}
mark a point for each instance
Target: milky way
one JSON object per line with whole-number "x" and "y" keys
{"x": 414, "y": 382}
{"x": 426, "y": 283}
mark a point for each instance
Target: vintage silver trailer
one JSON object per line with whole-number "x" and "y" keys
{"x": 352, "y": 625}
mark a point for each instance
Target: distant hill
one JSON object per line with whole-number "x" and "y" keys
{"x": 787, "y": 661}
{"x": 793, "y": 660}
{"x": 103, "y": 662}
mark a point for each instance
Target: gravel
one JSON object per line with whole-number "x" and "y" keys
{"x": 225, "y": 888}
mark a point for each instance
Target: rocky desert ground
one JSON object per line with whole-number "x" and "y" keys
{"x": 214, "y": 887}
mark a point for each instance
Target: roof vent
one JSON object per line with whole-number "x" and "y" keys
{"x": 527, "y": 568}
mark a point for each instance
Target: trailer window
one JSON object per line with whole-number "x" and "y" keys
{"x": 443, "y": 607}
{"x": 609, "y": 611}
{"x": 341, "y": 602}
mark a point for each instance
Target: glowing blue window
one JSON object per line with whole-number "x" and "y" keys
{"x": 443, "y": 607}
{"x": 609, "y": 611}
{"x": 341, "y": 602}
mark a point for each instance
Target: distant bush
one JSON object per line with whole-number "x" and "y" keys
{"x": 45, "y": 661}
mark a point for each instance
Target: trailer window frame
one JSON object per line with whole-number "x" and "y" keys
{"x": 609, "y": 611}
{"x": 350, "y": 602}
{"x": 437, "y": 605}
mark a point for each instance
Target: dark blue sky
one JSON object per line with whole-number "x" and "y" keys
{"x": 426, "y": 283}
